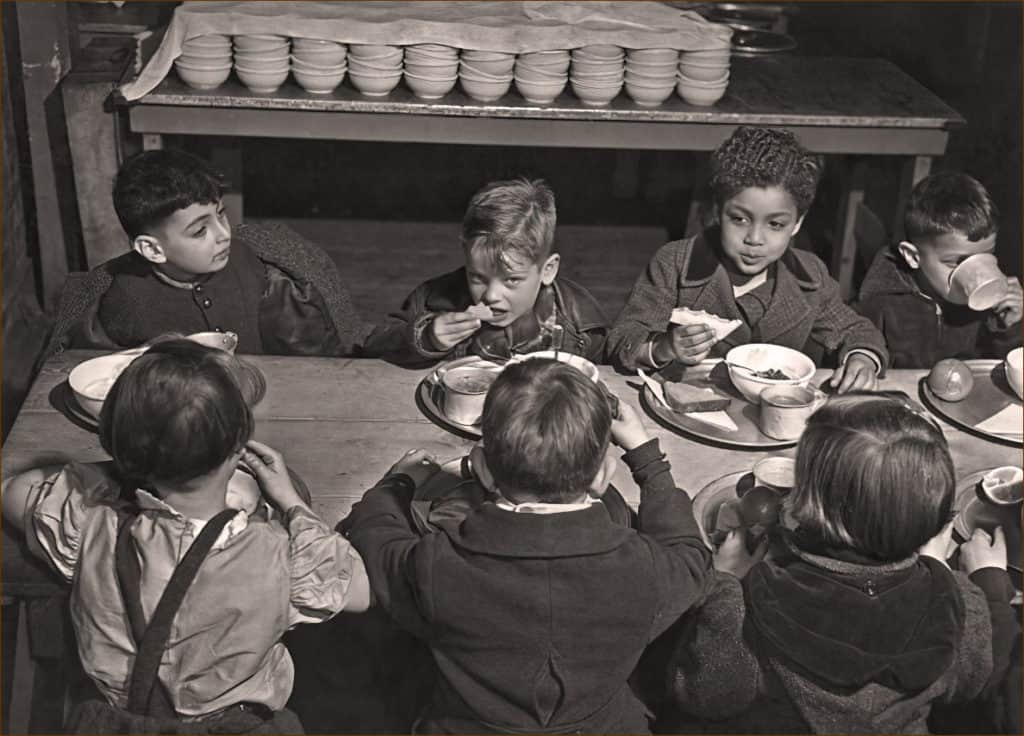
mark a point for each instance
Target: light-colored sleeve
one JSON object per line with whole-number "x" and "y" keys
{"x": 62, "y": 507}
{"x": 326, "y": 570}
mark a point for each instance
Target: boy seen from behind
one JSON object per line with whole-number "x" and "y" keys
{"x": 909, "y": 291}
{"x": 537, "y": 607}
{"x": 507, "y": 298}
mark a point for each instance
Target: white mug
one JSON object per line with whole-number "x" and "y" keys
{"x": 785, "y": 410}
{"x": 977, "y": 282}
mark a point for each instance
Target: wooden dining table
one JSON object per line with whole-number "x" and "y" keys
{"x": 341, "y": 423}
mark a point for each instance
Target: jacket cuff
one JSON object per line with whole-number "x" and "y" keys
{"x": 420, "y": 340}
{"x": 643, "y": 455}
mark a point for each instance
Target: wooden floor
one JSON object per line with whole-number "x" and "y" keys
{"x": 381, "y": 262}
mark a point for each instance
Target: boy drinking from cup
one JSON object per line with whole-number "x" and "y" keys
{"x": 507, "y": 298}
{"x": 939, "y": 293}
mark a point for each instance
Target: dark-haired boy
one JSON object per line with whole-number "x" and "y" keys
{"x": 187, "y": 273}
{"x": 537, "y": 607}
{"x": 906, "y": 292}
{"x": 507, "y": 298}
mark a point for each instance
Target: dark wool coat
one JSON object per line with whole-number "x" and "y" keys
{"x": 809, "y": 643}
{"x": 806, "y": 312}
{"x": 921, "y": 331}
{"x": 401, "y": 339}
{"x": 536, "y": 620}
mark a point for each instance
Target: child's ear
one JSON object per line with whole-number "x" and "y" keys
{"x": 909, "y": 253}
{"x": 604, "y": 476}
{"x": 149, "y": 248}
{"x": 799, "y": 223}
{"x": 550, "y": 269}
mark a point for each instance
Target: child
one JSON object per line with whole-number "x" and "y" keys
{"x": 763, "y": 183}
{"x": 850, "y": 629}
{"x": 906, "y": 291}
{"x": 506, "y": 299}
{"x": 176, "y": 424}
{"x": 538, "y": 607}
{"x": 187, "y": 273}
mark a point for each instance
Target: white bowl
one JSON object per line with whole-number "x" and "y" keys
{"x": 261, "y": 65}
{"x": 207, "y": 41}
{"x": 375, "y": 52}
{"x": 202, "y": 78}
{"x": 199, "y": 63}
{"x": 653, "y": 56}
{"x": 261, "y": 42}
{"x": 718, "y": 79}
{"x": 262, "y": 81}
{"x": 648, "y": 96}
{"x": 762, "y": 357}
{"x": 91, "y": 380}
{"x": 314, "y": 68}
{"x": 485, "y": 90}
{"x": 651, "y": 80}
{"x": 478, "y": 55}
{"x": 491, "y": 73}
{"x": 374, "y": 86}
{"x": 488, "y": 67}
{"x": 325, "y": 57}
{"x": 595, "y": 95}
{"x": 599, "y": 52}
{"x": 318, "y": 83}
{"x": 206, "y": 52}
{"x": 542, "y": 76}
{"x": 1015, "y": 370}
{"x": 539, "y": 93}
{"x": 597, "y": 67}
{"x": 429, "y": 88}
{"x": 576, "y": 361}
{"x": 699, "y": 96}
{"x": 374, "y": 67}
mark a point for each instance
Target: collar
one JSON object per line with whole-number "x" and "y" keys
{"x": 148, "y": 502}
{"x": 538, "y": 507}
{"x": 491, "y": 530}
{"x": 183, "y": 285}
{"x": 705, "y": 263}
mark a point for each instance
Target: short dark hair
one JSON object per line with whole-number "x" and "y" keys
{"x": 546, "y": 427}
{"x": 509, "y": 219}
{"x": 765, "y": 157}
{"x": 153, "y": 185}
{"x": 175, "y": 413}
{"x": 873, "y": 476}
{"x": 950, "y": 202}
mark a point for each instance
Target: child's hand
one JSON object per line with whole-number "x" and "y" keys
{"x": 689, "y": 344}
{"x": 418, "y": 464}
{"x": 267, "y": 464}
{"x": 732, "y": 555}
{"x": 941, "y": 546}
{"x": 983, "y": 551}
{"x": 857, "y": 373}
{"x": 1009, "y": 308}
{"x": 627, "y": 431}
{"x": 448, "y": 329}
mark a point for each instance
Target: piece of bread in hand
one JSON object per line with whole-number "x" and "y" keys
{"x": 481, "y": 312}
{"x": 720, "y": 326}
{"x": 687, "y": 398}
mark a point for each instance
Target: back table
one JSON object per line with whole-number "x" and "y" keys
{"x": 340, "y": 423}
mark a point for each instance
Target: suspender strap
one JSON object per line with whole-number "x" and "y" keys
{"x": 151, "y": 640}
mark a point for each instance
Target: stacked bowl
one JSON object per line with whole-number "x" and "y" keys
{"x": 486, "y": 75}
{"x": 205, "y": 61}
{"x": 431, "y": 69}
{"x": 318, "y": 65}
{"x": 703, "y": 76}
{"x": 651, "y": 75}
{"x": 261, "y": 61}
{"x": 596, "y": 74}
{"x": 541, "y": 75}
{"x": 375, "y": 69}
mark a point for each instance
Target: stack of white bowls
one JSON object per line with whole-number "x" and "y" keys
{"x": 375, "y": 69}
{"x": 486, "y": 75}
{"x": 703, "y": 75}
{"x": 541, "y": 75}
{"x": 261, "y": 61}
{"x": 651, "y": 75}
{"x": 596, "y": 74}
{"x": 431, "y": 69}
{"x": 205, "y": 61}
{"x": 318, "y": 65}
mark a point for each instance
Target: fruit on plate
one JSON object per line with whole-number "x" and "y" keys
{"x": 686, "y": 398}
{"x": 951, "y": 380}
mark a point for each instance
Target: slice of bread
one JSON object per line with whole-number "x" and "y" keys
{"x": 481, "y": 312}
{"x": 686, "y": 398}
{"x": 719, "y": 325}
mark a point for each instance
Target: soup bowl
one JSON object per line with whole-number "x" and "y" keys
{"x": 746, "y": 362}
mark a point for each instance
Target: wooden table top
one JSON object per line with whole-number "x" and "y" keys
{"x": 782, "y": 89}
{"x": 341, "y": 423}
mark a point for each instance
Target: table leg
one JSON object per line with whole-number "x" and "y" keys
{"x": 23, "y": 678}
{"x": 915, "y": 168}
{"x": 844, "y": 247}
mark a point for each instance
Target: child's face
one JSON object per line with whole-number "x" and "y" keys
{"x": 192, "y": 241}
{"x": 757, "y": 225}
{"x": 933, "y": 259}
{"x": 511, "y": 289}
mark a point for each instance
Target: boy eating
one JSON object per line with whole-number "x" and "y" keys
{"x": 907, "y": 290}
{"x": 507, "y": 298}
{"x": 537, "y": 607}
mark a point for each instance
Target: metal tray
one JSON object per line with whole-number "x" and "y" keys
{"x": 991, "y": 393}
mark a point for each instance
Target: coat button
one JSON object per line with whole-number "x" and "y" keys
{"x": 207, "y": 303}
{"x": 198, "y": 288}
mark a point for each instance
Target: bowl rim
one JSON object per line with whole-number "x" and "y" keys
{"x": 770, "y": 381}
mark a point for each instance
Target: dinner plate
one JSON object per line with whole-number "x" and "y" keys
{"x": 708, "y": 500}
{"x": 974, "y": 512}
{"x": 990, "y": 394}
{"x": 62, "y": 398}
{"x": 747, "y": 435}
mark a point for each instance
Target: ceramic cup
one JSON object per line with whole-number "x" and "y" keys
{"x": 465, "y": 389}
{"x": 977, "y": 282}
{"x": 1003, "y": 486}
{"x": 785, "y": 410}
{"x": 775, "y": 472}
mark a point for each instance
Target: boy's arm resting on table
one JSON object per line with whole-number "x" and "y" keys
{"x": 682, "y": 560}
{"x": 327, "y": 574}
{"x": 838, "y": 327}
{"x": 381, "y": 529}
{"x": 647, "y": 310}
{"x": 713, "y": 673}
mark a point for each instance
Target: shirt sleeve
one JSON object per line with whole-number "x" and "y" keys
{"x": 323, "y": 565}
